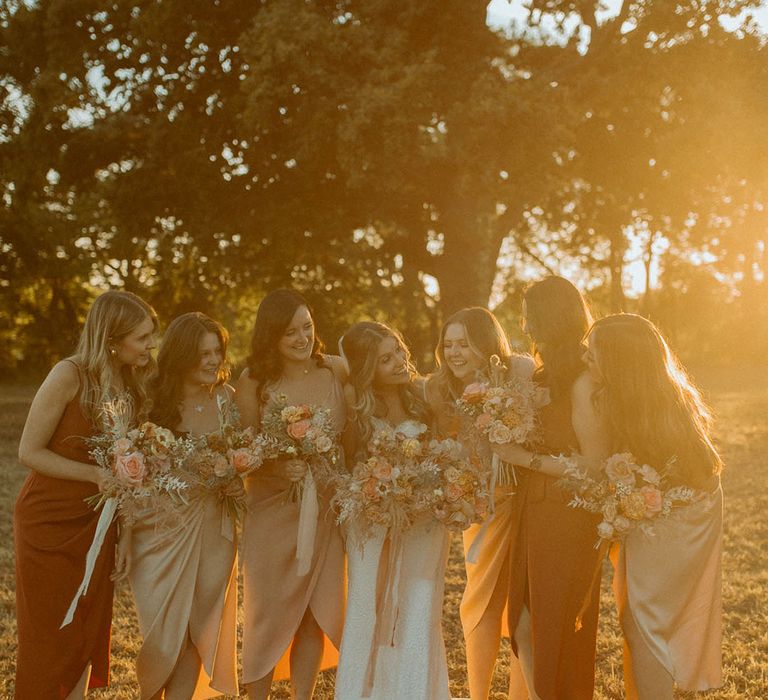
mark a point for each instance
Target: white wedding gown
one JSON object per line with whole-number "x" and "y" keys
{"x": 415, "y": 666}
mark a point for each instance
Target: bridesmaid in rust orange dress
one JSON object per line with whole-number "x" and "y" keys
{"x": 292, "y": 620}
{"x": 53, "y": 526}
{"x": 554, "y": 559}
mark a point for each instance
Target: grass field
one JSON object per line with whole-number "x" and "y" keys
{"x": 740, "y": 400}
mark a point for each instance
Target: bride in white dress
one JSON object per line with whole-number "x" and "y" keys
{"x": 411, "y": 663}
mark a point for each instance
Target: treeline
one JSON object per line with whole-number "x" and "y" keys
{"x": 395, "y": 160}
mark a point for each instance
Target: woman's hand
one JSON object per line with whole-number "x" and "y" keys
{"x": 100, "y": 478}
{"x": 513, "y": 453}
{"x": 293, "y": 469}
{"x": 122, "y": 556}
{"x": 234, "y": 487}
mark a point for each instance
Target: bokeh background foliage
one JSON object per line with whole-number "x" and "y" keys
{"x": 392, "y": 160}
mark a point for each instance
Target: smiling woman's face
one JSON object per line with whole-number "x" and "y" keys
{"x": 299, "y": 337}
{"x": 462, "y": 360}
{"x": 391, "y": 363}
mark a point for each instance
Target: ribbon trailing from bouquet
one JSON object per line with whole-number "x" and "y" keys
{"x": 308, "y": 513}
{"x": 474, "y": 549}
{"x": 387, "y": 602}
{"x": 102, "y": 527}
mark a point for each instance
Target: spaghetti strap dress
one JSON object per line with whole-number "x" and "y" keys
{"x": 275, "y": 596}
{"x": 184, "y": 580}
{"x": 53, "y": 529}
{"x": 552, "y": 569}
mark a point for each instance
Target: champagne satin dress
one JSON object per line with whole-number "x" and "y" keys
{"x": 275, "y": 596}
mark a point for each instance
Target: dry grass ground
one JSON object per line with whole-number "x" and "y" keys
{"x": 740, "y": 401}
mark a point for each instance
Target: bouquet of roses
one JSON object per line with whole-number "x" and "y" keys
{"x": 503, "y": 408}
{"x": 222, "y": 459}
{"x": 138, "y": 463}
{"x": 306, "y": 433}
{"x": 628, "y": 495}
{"x": 389, "y": 488}
{"x": 301, "y": 432}
{"x": 458, "y": 490}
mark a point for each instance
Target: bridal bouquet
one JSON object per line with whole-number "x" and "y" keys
{"x": 221, "y": 460}
{"x": 458, "y": 493}
{"x": 138, "y": 463}
{"x": 504, "y": 408}
{"x": 388, "y": 488}
{"x": 628, "y": 495}
{"x": 301, "y": 432}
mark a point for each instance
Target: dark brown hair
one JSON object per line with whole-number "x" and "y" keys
{"x": 179, "y": 354}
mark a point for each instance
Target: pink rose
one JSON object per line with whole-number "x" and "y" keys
{"x": 483, "y": 421}
{"x": 130, "y": 468}
{"x": 653, "y": 500}
{"x": 474, "y": 392}
{"x": 298, "y": 429}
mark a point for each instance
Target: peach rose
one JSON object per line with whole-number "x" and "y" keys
{"x": 130, "y": 468}
{"x": 294, "y": 414}
{"x": 654, "y": 501}
{"x": 323, "y": 444}
{"x": 298, "y": 429}
{"x": 618, "y": 469}
{"x": 382, "y": 469}
{"x": 242, "y": 460}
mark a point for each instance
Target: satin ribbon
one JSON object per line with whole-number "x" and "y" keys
{"x": 474, "y": 549}
{"x": 387, "y": 599}
{"x": 102, "y": 527}
{"x": 602, "y": 550}
{"x": 308, "y": 513}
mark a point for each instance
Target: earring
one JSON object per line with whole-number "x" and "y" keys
{"x": 113, "y": 352}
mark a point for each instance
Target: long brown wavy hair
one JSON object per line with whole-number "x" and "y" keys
{"x": 179, "y": 354}
{"x": 274, "y": 315}
{"x": 652, "y": 407}
{"x": 558, "y": 317}
{"x": 359, "y": 346}
{"x": 485, "y": 337}
{"x": 112, "y": 316}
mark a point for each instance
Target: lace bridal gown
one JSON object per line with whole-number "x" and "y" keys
{"x": 414, "y": 666}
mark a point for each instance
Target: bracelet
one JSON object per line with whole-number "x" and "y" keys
{"x": 535, "y": 463}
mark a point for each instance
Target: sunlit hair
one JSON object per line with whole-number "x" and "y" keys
{"x": 485, "y": 338}
{"x": 653, "y": 409}
{"x": 275, "y": 313}
{"x": 112, "y": 317}
{"x": 360, "y": 348}
{"x": 179, "y": 355}
{"x": 557, "y": 318}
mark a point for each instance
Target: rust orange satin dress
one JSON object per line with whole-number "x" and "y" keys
{"x": 53, "y": 529}
{"x": 553, "y": 563}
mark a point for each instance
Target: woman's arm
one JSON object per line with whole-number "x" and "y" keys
{"x": 247, "y": 401}
{"x": 591, "y": 433}
{"x": 338, "y": 366}
{"x": 58, "y": 389}
{"x": 349, "y": 438}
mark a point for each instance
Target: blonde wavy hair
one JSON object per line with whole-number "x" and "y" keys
{"x": 651, "y": 405}
{"x": 112, "y": 317}
{"x": 359, "y": 347}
